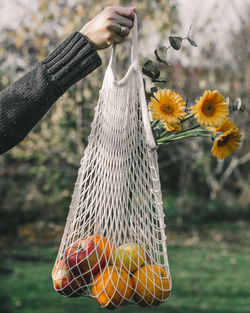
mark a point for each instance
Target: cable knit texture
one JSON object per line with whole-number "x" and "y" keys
{"x": 26, "y": 101}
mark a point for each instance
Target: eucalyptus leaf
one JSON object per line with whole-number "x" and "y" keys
{"x": 192, "y": 42}
{"x": 161, "y": 54}
{"x": 236, "y": 105}
{"x": 151, "y": 69}
{"x": 160, "y": 80}
{"x": 175, "y": 42}
{"x": 154, "y": 89}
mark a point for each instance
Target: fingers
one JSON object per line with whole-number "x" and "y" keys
{"x": 115, "y": 35}
{"x": 125, "y": 12}
{"x": 122, "y": 31}
{"x": 123, "y": 21}
{"x": 111, "y": 25}
{"x": 115, "y": 39}
{"x": 133, "y": 9}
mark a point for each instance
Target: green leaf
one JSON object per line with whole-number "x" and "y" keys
{"x": 175, "y": 42}
{"x": 161, "y": 125}
{"x": 160, "y": 80}
{"x": 192, "y": 42}
{"x": 154, "y": 89}
{"x": 161, "y": 54}
{"x": 151, "y": 69}
{"x": 236, "y": 105}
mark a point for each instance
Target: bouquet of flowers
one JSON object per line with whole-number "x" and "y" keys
{"x": 208, "y": 117}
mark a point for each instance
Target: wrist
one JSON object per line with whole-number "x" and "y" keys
{"x": 88, "y": 37}
{"x": 71, "y": 61}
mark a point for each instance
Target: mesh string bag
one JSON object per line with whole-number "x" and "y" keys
{"x": 114, "y": 245}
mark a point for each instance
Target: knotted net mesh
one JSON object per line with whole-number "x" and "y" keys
{"x": 114, "y": 244}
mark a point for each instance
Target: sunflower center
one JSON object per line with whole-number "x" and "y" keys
{"x": 223, "y": 141}
{"x": 167, "y": 108}
{"x": 208, "y": 108}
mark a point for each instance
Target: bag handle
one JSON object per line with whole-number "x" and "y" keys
{"x": 135, "y": 64}
{"x": 134, "y": 46}
{"x": 134, "y": 49}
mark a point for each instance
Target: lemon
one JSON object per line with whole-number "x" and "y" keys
{"x": 129, "y": 256}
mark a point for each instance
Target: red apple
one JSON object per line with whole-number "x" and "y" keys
{"x": 148, "y": 258}
{"x": 83, "y": 258}
{"x": 64, "y": 283}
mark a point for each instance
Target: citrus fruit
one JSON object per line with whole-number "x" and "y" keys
{"x": 129, "y": 256}
{"x": 112, "y": 287}
{"x": 151, "y": 285}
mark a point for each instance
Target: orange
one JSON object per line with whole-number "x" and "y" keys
{"x": 106, "y": 247}
{"x": 112, "y": 287}
{"x": 151, "y": 285}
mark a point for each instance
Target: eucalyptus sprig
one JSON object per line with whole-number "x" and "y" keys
{"x": 152, "y": 69}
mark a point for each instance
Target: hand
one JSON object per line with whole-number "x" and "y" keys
{"x": 105, "y": 28}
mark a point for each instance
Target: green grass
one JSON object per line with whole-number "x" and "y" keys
{"x": 209, "y": 276}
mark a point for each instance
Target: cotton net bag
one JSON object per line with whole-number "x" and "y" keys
{"x": 114, "y": 245}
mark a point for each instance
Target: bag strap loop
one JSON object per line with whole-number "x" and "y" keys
{"x": 134, "y": 49}
{"x": 134, "y": 46}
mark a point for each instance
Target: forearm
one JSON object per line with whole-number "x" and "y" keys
{"x": 26, "y": 101}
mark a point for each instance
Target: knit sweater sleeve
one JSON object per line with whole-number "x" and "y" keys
{"x": 27, "y": 100}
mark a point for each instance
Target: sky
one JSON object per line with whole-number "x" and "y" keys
{"x": 217, "y": 17}
{"x": 222, "y": 12}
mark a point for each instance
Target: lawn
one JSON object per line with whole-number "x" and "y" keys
{"x": 210, "y": 270}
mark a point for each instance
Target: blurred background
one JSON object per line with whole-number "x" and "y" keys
{"x": 206, "y": 201}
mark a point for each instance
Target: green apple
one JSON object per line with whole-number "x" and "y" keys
{"x": 129, "y": 256}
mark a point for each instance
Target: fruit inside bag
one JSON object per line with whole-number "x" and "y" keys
{"x": 113, "y": 275}
{"x": 114, "y": 244}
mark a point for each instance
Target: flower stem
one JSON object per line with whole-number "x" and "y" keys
{"x": 187, "y": 117}
{"x": 182, "y": 132}
{"x": 187, "y": 133}
{"x": 167, "y": 139}
{"x": 164, "y": 133}
{"x": 191, "y": 128}
{"x": 155, "y": 122}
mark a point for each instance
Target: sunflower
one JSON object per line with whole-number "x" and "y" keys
{"x": 167, "y": 106}
{"x": 224, "y": 127}
{"x": 228, "y": 142}
{"x": 211, "y": 109}
{"x": 173, "y": 127}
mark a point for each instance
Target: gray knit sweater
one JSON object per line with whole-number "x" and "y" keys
{"x": 26, "y": 101}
